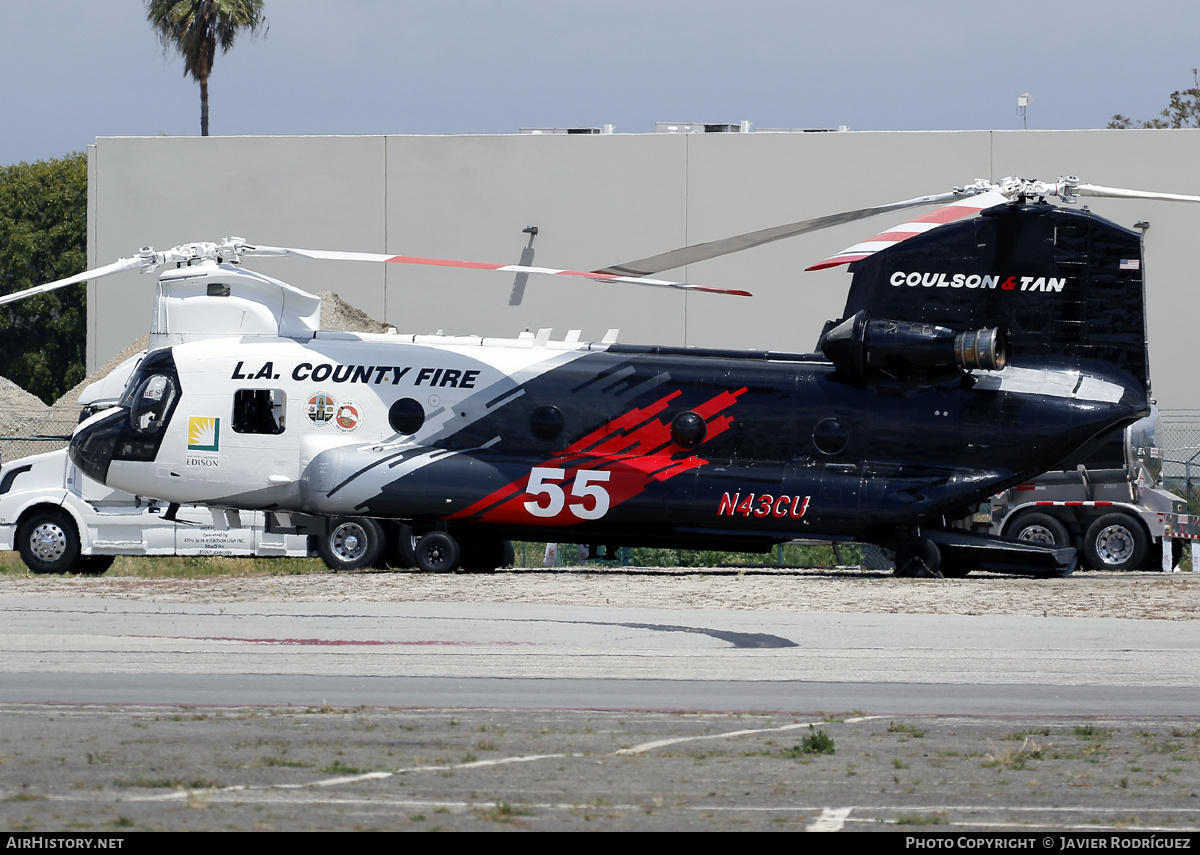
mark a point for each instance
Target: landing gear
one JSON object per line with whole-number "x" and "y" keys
{"x": 918, "y": 557}
{"x": 437, "y": 552}
{"x": 486, "y": 554}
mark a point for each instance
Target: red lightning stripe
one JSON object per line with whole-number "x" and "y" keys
{"x": 636, "y": 448}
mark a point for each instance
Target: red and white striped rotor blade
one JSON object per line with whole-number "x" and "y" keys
{"x": 919, "y": 225}
{"x": 334, "y": 255}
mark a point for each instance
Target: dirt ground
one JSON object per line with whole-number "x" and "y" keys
{"x": 1144, "y": 596}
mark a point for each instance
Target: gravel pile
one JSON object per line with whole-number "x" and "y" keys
{"x": 337, "y": 314}
{"x": 18, "y": 408}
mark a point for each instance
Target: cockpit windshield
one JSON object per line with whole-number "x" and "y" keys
{"x": 150, "y": 403}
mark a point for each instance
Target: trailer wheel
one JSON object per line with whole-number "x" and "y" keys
{"x": 49, "y": 542}
{"x": 1115, "y": 542}
{"x": 351, "y": 544}
{"x": 437, "y": 552}
{"x": 1036, "y": 527}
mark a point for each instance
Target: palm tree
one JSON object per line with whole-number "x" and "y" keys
{"x": 196, "y": 27}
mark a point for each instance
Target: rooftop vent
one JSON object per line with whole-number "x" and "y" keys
{"x": 697, "y": 128}
{"x": 607, "y": 129}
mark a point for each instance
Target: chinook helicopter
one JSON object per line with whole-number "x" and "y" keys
{"x": 980, "y": 344}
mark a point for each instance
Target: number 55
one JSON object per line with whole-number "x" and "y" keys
{"x": 587, "y": 484}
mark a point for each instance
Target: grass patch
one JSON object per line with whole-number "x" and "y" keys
{"x": 168, "y": 784}
{"x": 504, "y": 811}
{"x": 1015, "y": 758}
{"x": 337, "y": 767}
{"x": 817, "y": 741}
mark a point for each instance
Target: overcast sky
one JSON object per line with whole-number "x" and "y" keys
{"x": 74, "y": 70}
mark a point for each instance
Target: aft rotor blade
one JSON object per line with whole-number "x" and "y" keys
{"x": 917, "y": 225}
{"x": 599, "y": 276}
{"x": 737, "y": 243}
{"x": 118, "y": 266}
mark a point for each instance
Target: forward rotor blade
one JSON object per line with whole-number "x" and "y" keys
{"x": 737, "y": 243}
{"x": 600, "y": 276}
{"x": 917, "y": 225}
{"x": 1121, "y": 193}
{"x": 119, "y": 266}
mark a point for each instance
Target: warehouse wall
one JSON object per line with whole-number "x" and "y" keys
{"x": 599, "y": 200}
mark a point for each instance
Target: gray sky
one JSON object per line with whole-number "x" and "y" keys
{"x": 77, "y": 69}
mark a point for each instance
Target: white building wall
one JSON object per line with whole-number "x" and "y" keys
{"x": 599, "y": 200}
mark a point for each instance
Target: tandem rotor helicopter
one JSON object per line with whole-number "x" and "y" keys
{"x": 980, "y": 344}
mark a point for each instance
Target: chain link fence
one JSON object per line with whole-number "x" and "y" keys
{"x": 1180, "y": 444}
{"x": 36, "y": 437}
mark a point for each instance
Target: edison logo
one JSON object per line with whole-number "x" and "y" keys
{"x": 204, "y": 433}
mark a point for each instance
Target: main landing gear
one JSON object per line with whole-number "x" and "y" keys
{"x": 356, "y": 543}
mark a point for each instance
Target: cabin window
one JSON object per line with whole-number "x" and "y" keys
{"x": 406, "y": 416}
{"x": 688, "y": 429}
{"x": 259, "y": 411}
{"x": 546, "y": 422}
{"x": 830, "y": 436}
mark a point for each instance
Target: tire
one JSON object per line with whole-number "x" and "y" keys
{"x": 352, "y": 543}
{"x": 437, "y": 552}
{"x": 1116, "y": 542}
{"x": 49, "y": 542}
{"x": 398, "y": 553}
{"x": 486, "y": 554}
{"x": 918, "y": 557}
{"x": 1036, "y": 527}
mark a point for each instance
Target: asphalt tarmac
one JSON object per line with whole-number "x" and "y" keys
{"x": 135, "y": 714}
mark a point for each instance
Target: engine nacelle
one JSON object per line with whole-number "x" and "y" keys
{"x": 861, "y": 347}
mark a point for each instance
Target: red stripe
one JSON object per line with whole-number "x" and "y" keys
{"x": 444, "y": 262}
{"x": 835, "y": 260}
{"x": 948, "y": 214}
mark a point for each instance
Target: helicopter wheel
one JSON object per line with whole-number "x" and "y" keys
{"x": 437, "y": 552}
{"x": 918, "y": 557}
{"x": 486, "y": 555}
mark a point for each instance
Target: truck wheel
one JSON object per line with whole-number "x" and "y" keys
{"x": 1115, "y": 542}
{"x": 49, "y": 542}
{"x": 1039, "y": 528}
{"x": 437, "y": 552}
{"x": 351, "y": 544}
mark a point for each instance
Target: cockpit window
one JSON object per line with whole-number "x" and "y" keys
{"x": 259, "y": 411}
{"x": 151, "y": 403}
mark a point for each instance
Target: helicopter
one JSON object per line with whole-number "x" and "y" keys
{"x": 980, "y": 344}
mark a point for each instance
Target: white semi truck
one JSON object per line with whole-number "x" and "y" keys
{"x": 61, "y": 521}
{"x": 1111, "y": 506}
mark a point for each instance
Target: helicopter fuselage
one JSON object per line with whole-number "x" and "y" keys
{"x": 588, "y": 442}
